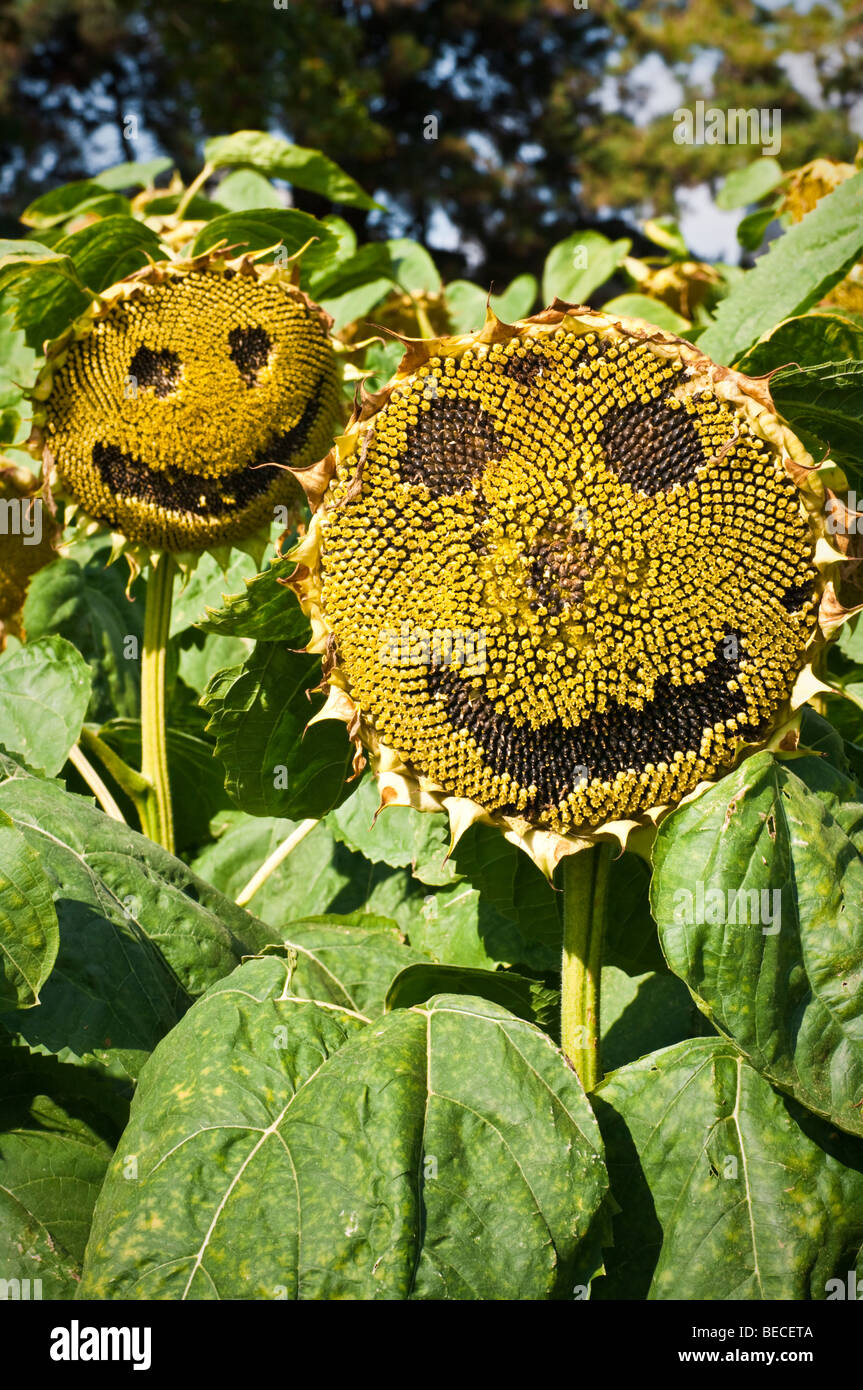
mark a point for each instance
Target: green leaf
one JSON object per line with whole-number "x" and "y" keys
{"x": 102, "y": 254}
{"x": 342, "y": 961}
{"x": 465, "y": 302}
{"x": 809, "y": 340}
{"x": 786, "y": 979}
{"x": 71, "y": 200}
{"x": 44, "y": 694}
{"x": 196, "y": 777}
{"x": 458, "y": 925}
{"x": 446, "y": 1152}
{"x": 58, "y": 1129}
{"x": 664, "y": 232}
{"x": 643, "y": 1013}
{"x": 135, "y": 174}
{"x": 526, "y": 998}
{"x": 415, "y": 271}
{"x": 19, "y": 260}
{"x": 140, "y": 934}
{"x": 29, "y": 936}
{"x": 17, "y": 372}
{"x": 510, "y": 882}
{"x": 258, "y": 230}
{"x": 348, "y": 288}
{"x": 750, "y": 184}
{"x": 631, "y": 938}
{"x": 752, "y": 229}
{"x": 278, "y": 159}
{"x": 797, "y": 271}
{"x": 274, "y": 764}
{"x": 267, "y": 611}
{"x": 319, "y": 876}
{"x": 824, "y": 406}
{"x": 817, "y": 361}
{"x": 581, "y": 263}
{"x": 245, "y": 189}
{"x": 726, "y": 1191}
{"x": 641, "y": 306}
{"x": 400, "y": 836}
{"x": 86, "y": 603}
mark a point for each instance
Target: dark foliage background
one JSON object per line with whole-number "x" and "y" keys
{"x": 549, "y": 116}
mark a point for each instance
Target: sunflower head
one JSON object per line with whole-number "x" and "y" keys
{"x": 171, "y": 410}
{"x": 565, "y": 573}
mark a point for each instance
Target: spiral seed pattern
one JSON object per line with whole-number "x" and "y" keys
{"x": 622, "y": 563}
{"x": 170, "y": 419}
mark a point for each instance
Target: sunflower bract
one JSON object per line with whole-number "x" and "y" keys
{"x": 173, "y": 411}
{"x": 566, "y": 580}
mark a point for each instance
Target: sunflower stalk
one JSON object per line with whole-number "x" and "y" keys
{"x": 157, "y": 813}
{"x": 585, "y": 910}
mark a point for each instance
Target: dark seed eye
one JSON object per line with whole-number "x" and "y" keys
{"x": 158, "y": 369}
{"x": 652, "y": 446}
{"x": 250, "y": 348}
{"x": 449, "y": 447}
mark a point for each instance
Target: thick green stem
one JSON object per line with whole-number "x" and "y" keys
{"x": 158, "y": 818}
{"x": 585, "y": 889}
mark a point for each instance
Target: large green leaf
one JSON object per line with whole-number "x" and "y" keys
{"x": 641, "y": 306}
{"x": 522, "y": 996}
{"x": 446, "y": 1152}
{"x": 631, "y": 940}
{"x": 140, "y": 934}
{"x": 824, "y": 405}
{"x": 44, "y": 694}
{"x": 70, "y": 200}
{"x": 817, "y": 365}
{"x": 259, "y": 229}
{"x": 415, "y": 271}
{"x": 280, "y": 160}
{"x": 29, "y": 935}
{"x": 266, "y": 610}
{"x": 643, "y": 1013}
{"x": 466, "y": 302}
{"x": 725, "y": 1189}
{"x": 398, "y": 836}
{"x": 777, "y": 846}
{"x": 58, "y": 1129}
{"x": 102, "y": 254}
{"x": 19, "y": 260}
{"x": 510, "y": 882}
{"x": 246, "y": 189}
{"x": 85, "y": 602}
{"x": 750, "y": 184}
{"x": 807, "y": 340}
{"x": 134, "y": 174}
{"x": 798, "y": 270}
{"x": 577, "y": 266}
{"x": 343, "y": 961}
{"x": 274, "y": 764}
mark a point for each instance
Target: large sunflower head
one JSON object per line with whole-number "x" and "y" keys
{"x": 172, "y": 407}
{"x": 564, "y": 574}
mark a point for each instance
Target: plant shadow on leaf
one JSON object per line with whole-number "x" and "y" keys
{"x": 637, "y": 1211}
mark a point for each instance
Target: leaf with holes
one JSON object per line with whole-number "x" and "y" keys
{"x": 445, "y": 1152}
{"x": 758, "y": 893}
{"x": 725, "y": 1190}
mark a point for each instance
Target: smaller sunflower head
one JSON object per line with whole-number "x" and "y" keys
{"x": 565, "y": 573}
{"x": 171, "y": 410}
